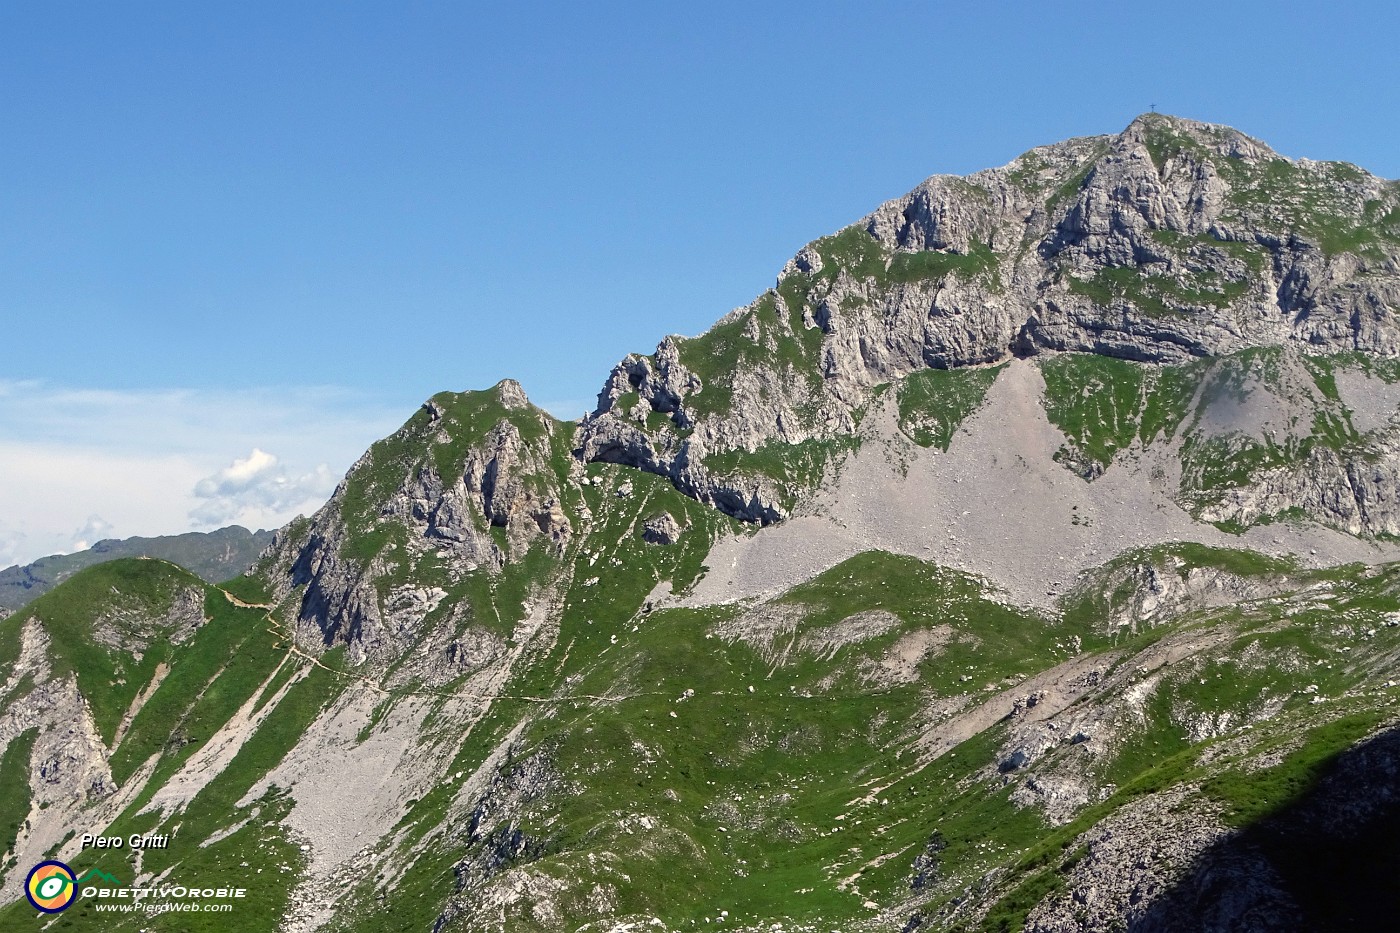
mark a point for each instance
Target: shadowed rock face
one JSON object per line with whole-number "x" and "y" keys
{"x": 1326, "y": 862}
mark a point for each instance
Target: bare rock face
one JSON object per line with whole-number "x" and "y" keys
{"x": 1135, "y": 861}
{"x": 650, "y": 427}
{"x": 1171, "y": 241}
{"x": 1158, "y": 866}
{"x": 661, "y": 529}
{"x": 494, "y": 877}
{"x": 470, "y": 482}
{"x": 69, "y": 764}
{"x": 1359, "y": 494}
{"x": 1163, "y": 584}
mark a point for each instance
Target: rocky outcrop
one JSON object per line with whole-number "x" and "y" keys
{"x": 404, "y": 511}
{"x": 67, "y": 770}
{"x": 1137, "y": 857}
{"x": 1144, "y": 589}
{"x": 129, "y": 626}
{"x": 493, "y": 876}
{"x": 648, "y": 427}
{"x": 661, "y": 529}
{"x": 1356, "y": 491}
{"x": 1156, "y": 866}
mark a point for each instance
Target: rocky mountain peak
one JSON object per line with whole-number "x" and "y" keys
{"x": 511, "y": 394}
{"x": 1171, "y": 241}
{"x": 474, "y": 480}
{"x": 1155, "y": 129}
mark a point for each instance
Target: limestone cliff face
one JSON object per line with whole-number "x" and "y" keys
{"x": 1357, "y": 492}
{"x": 68, "y": 767}
{"x": 471, "y": 481}
{"x": 1169, "y": 242}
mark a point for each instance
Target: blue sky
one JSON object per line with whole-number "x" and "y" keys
{"x": 323, "y": 213}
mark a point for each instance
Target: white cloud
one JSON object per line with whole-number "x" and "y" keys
{"x": 51, "y": 490}
{"x": 94, "y": 529}
{"x": 77, "y": 465}
{"x": 257, "y": 491}
{"x": 11, "y": 544}
{"x": 237, "y": 476}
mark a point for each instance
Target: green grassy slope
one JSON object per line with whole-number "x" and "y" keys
{"x": 790, "y": 785}
{"x": 110, "y": 628}
{"x": 773, "y": 760}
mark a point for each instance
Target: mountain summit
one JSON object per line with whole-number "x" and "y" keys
{"x": 1170, "y": 242}
{"x": 1025, "y": 559}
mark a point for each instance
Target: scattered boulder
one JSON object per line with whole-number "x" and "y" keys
{"x": 661, "y": 529}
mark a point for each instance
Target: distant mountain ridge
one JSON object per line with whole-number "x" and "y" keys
{"x": 214, "y": 556}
